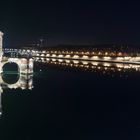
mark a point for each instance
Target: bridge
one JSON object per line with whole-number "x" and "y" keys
{"x": 117, "y": 57}
{"x": 24, "y": 73}
{"x": 23, "y": 82}
{"x": 94, "y": 55}
{"x": 25, "y": 65}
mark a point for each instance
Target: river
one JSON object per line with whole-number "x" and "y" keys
{"x": 73, "y": 102}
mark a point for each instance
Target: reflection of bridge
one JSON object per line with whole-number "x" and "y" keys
{"x": 25, "y": 71}
{"x": 89, "y": 65}
{"x": 23, "y": 82}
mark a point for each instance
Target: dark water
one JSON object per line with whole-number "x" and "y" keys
{"x": 73, "y": 103}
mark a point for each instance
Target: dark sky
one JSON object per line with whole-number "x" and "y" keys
{"x": 70, "y": 21}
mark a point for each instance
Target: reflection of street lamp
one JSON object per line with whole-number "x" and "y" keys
{"x": 41, "y": 42}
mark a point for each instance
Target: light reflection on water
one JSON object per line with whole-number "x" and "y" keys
{"x": 63, "y": 101}
{"x": 92, "y": 66}
{"x": 24, "y": 82}
{"x": 16, "y": 73}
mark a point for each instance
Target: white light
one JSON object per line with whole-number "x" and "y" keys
{"x": 94, "y": 63}
{"x": 60, "y": 60}
{"x": 53, "y": 55}
{"x": 75, "y": 56}
{"x": 47, "y": 55}
{"x": 106, "y": 64}
{"x": 119, "y": 58}
{"x": 75, "y": 61}
{"x": 67, "y": 56}
{"x": 53, "y": 60}
{"x": 127, "y": 58}
{"x": 107, "y": 58}
{"x": 48, "y": 59}
{"x": 119, "y": 65}
{"x": 85, "y": 57}
{"x": 94, "y": 57}
{"x": 67, "y": 61}
{"x": 42, "y": 55}
{"x": 126, "y": 67}
{"x": 84, "y": 62}
{"x": 60, "y": 55}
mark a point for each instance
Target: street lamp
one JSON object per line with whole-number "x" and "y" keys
{"x": 41, "y": 42}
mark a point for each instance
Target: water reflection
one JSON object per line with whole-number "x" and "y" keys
{"x": 23, "y": 81}
{"x": 63, "y": 100}
{"x": 90, "y": 65}
{"x": 19, "y": 78}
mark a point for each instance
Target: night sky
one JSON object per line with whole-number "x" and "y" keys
{"x": 69, "y": 22}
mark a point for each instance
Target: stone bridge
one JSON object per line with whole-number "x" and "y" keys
{"x": 25, "y": 72}
{"x": 25, "y": 66}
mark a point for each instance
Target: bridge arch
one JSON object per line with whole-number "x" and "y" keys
{"x": 12, "y": 66}
{"x": 9, "y": 61}
{"x": 10, "y": 78}
{"x": 24, "y": 65}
